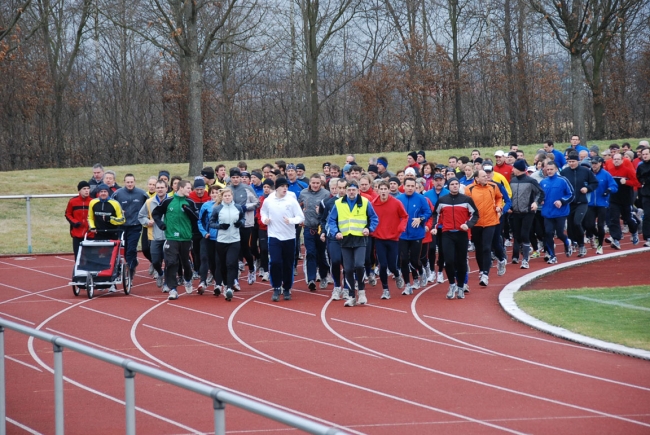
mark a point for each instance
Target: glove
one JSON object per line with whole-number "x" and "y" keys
{"x": 237, "y": 224}
{"x": 224, "y": 226}
{"x": 76, "y": 224}
{"x": 162, "y": 226}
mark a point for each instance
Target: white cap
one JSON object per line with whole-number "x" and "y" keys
{"x": 644, "y": 143}
{"x": 409, "y": 171}
{"x": 499, "y": 154}
{"x": 531, "y": 169}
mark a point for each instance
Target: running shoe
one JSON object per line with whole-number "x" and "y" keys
{"x": 160, "y": 280}
{"x": 460, "y": 292}
{"x": 188, "y": 287}
{"x": 441, "y": 278}
{"x": 228, "y": 294}
{"x": 501, "y": 267}
{"x": 484, "y": 280}
{"x": 452, "y": 291}
{"x": 552, "y": 260}
{"x": 201, "y": 288}
{"x": 399, "y": 281}
{"x": 408, "y": 290}
{"x": 385, "y": 294}
{"x": 635, "y": 238}
{"x": 251, "y": 278}
{"x": 524, "y": 264}
{"x": 265, "y": 277}
{"x": 362, "y": 300}
{"x": 286, "y": 295}
{"x": 350, "y": 302}
{"x": 582, "y": 251}
{"x": 616, "y": 244}
{"x": 372, "y": 279}
{"x": 336, "y": 294}
{"x": 173, "y": 295}
{"x": 599, "y": 250}
{"x": 312, "y": 286}
{"x": 276, "y": 295}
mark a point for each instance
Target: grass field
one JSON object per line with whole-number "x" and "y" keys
{"x": 618, "y": 315}
{"x": 50, "y": 229}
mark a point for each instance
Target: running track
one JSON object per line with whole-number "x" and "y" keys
{"x": 411, "y": 365}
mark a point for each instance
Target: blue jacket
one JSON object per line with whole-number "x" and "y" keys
{"x": 259, "y": 190}
{"x": 296, "y": 187}
{"x": 556, "y": 188}
{"x": 559, "y": 158}
{"x": 204, "y": 220}
{"x": 606, "y": 185}
{"x": 416, "y": 206}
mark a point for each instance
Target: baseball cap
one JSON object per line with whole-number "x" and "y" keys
{"x": 499, "y": 154}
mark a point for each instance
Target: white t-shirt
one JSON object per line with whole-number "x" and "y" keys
{"x": 277, "y": 209}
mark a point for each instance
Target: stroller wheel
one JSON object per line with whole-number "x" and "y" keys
{"x": 90, "y": 286}
{"x": 126, "y": 279}
{"x": 76, "y": 289}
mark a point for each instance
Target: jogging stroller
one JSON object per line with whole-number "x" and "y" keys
{"x": 100, "y": 265}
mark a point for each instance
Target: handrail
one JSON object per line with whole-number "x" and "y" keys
{"x": 27, "y": 199}
{"x": 219, "y": 396}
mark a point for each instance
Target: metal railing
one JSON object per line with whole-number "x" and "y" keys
{"x": 28, "y": 204}
{"x": 219, "y": 397}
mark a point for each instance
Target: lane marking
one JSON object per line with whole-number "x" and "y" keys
{"x": 106, "y": 314}
{"x": 23, "y": 363}
{"x": 32, "y": 351}
{"x": 387, "y": 308}
{"x": 99, "y": 346}
{"x": 502, "y": 331}
{"x": 308, "y": 339}
{"x": 23, "y": 427}
{"x": 35, "y": 270}
{"x": 606, "y": 302}
{"x": 135, "y": 341}
{"x": 314, "y": 293}
{"x": 349, "y": 384}
{"x": 284, "y": 308}
{"x": 414, "y": 337}
{"x": 29, "y": 293}
{"x": 197, "y": 311}
{"x": 476, "y": 381}
{"x": 207, "y": 343}
{"x": 17, "y": 318}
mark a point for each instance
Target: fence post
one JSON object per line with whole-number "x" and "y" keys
{"x": 3, "y": 397}
{"x": 29, "y": 224}
{"x": 219, "y": 417}
{"x": 129, "y": 400}
{"x": 58, "y": 389}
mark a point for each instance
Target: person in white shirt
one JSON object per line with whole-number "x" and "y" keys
{"x": 281, "y": 213}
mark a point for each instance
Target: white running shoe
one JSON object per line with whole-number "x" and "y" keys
{"x": 372, "y": 279}
{"x": 452, "y": 291}
{"x": 501, "y": 267}
{"x": 173, "y": 295}
{"x": 201, "y": 288}
{"x": 350, "y": 302}
{"x": 460, "y": 292}
{"x": 345, "y": 293}
{"x": 361, "y": 299}
{"x": 441, "y": 278}
{"x": 484, "y": 280}
{"x": 188, "y": 287}
{"x": 229, "y": 294}
{"x": 151, "y": 270}
{"x": 336, "y": 294}
{"x": 385, "y": 294}
{"x": 407, "y": 290}
{"x": 524, "y": 264}
{"x": 265, "y": 277}
{"x": 165, "y": 288}
{"x": 399, "y": 281}
{"x": 251, "y": 278}
{"x": 112, "y": 289}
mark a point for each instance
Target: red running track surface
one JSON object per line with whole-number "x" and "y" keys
{"x": 416, "y": 364}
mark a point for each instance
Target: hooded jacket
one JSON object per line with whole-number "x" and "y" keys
{"x": 606, "y": 186}
{"x": 416, "y": 206}
{"x": 556, "y": 188}
{"x": 525, "y": 191}
{"x": 77, "y": 215}
{"x": 309, "y": 200}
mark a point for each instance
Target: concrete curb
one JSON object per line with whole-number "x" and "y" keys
{"x": 507, "y": 301}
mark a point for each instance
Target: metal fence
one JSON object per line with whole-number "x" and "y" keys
{"x": 219, "y": 397}
{"x": 28, "y": 206}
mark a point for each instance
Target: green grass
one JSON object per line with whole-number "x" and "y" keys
{"x": 50, "y": 229}
{"x": 618, "y": 315}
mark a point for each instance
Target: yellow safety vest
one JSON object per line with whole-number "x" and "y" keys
{"x": 352, "y": 222}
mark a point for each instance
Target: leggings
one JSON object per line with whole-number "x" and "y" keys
{"x": 264, "y": 249}
{"x": 245, "y": 234}
{"x": 455, "y": 244}
{"x": 353, "y": 259}
{"x": 521, "y": 224}
{"x": 387, "y": 259}
{"x": 482, "y": 237}
{"x": 574, "y": 223}
{"x": 553, "y": 226}
{"x": 594, "y": 223}
{"x": 409, "y": 251}
{"x": 336, "y": 260}
{"x": 226, "y": 254}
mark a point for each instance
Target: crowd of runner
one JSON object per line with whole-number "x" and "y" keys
{"x": 415, "y": 224}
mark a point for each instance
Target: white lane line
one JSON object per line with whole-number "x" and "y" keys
{"x": 387, "y": 308}
{"x": 135, "y": 341}
{"x": 284, "y": 308}
{"x": 207, "y": 343}
{"x": 23, "y": 427}
{"x": 17, "y": 318}
{"x": 314, "y": 293}
{"x": 32, "y": 351}
{"x": 35, "y": 270}
{"x": 106, "y": 314}
{"x": 196, "y": 311}
{"x": 606, "y": 302}
{"x": 23, "y": 363}
{"x": 31, "y": 293}
{"x": 476, "y": 381}
{"x": 65, "y": 259}
{"x": 356, "y": 386}
{"x": 502, "y": 331}
{"x": 308, "y": 339}
{"x": 99, "y": 346}
{"x": 146, "y": 298}
{"x": 414, "y": 337}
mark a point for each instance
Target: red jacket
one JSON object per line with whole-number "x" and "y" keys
{"x": 370, "y": 195}
{"x": 258, "y": 215}
{"x": 392, "y": 218}
{"x": 428, "y": 238}
{"x": 505, "y": 170}
{"x": 199, "y": 199}
{"x": 77, "y": 215}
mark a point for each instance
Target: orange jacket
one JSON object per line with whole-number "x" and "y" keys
{"x": 486, "y": 198}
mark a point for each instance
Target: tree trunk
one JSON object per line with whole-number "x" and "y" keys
{"x": 578, "y": 97}
{"x": 195, "y": 117}
{"x": 460, "y": 127}
{"x": 312, "y": 77}
{"x": 510, "y": 76}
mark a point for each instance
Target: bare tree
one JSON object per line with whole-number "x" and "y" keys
{"x": 13, "y": 15}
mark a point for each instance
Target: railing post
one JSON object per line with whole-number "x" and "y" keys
{"x": 29, "y": 224}
{"x": 129, "y": 400}
{"x": 3, "y": 397}
{"x": 219, "y": 417}
{"x": 58, "y": 389}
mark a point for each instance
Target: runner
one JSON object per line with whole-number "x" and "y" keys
{"x": 77, "y": 215}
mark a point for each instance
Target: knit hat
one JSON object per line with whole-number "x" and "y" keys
{"x": 327, "y": 165}
{"x": 452, "y": 179}
{"x": 301, "y": 166}
{"x": 409, "y": 171}
{"x": 382, "y": 162}
{"x": 478, "y": 160}
{"x": 594, "y": 148}
{"x": 82, "y": 184}
{"x": 245, "y": 174}
{"x": 257, "y": 174}
{"x": 268, "y": 182}
{"x": 208, "y": 173}
{"x": 235, "y": 172}
{"x": 519, "y": 165}
{"x": 373, "y": 168}
{"x": 165, "y": 173}
{"x": 281, "y": 181}
{"x": 395, "y": 179}
{"x": 199, "y": 183}
{"x": 103, "y": 187}
{"x": 512, "y": 154}
{"x": 291, "y": 166}
{"x": 413, "y": 154}
{"x": 422, "y": 153}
